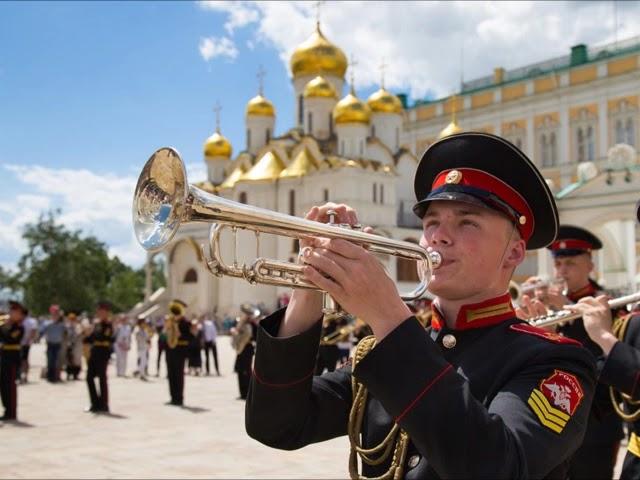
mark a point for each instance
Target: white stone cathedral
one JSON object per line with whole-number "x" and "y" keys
{"x": 341, "y": 149}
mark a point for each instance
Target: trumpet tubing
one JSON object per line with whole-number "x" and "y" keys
{"x": 163, "y": 201}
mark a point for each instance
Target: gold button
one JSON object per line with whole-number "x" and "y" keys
{"x": 522, "y": 220}
{"x": 413, "y": 461}
{"x": 449, "y": 341}
{"x": 453, "y": 177}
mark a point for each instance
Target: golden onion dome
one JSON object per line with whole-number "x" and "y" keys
{"x": 450, "y": 129}
{"x": 217, "y": 146}
{"x": 259, "y": 105}
{"x": 384, "y": 101}
{"x": 319, "y": 87}
{"x": 351, "y": 110}
{"x": 318, "y": 55}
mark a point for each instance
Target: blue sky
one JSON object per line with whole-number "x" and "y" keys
{"x": 89, "y": 89}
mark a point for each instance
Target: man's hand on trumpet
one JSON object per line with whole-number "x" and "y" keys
{"x": 305, "y": 306}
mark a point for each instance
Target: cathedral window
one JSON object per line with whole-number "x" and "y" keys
{"x": 397, "y": 138}
{"x": 361, "y": 147}
{"x": 375, "y": 193}
{"x": 242, "y": 198}
{"x": 381, "y": 193}
{"x": 310, "y": 123}
{"x": 268, "y": 135}
{"x": 325, "y": 195}
{"x": 341, "y": 147}
{"x": 330, "y": 124}
{"x": 248, "y": 139}
{"x": 292, "y": 202}
{"x": 373, "y": 130}
{"x": 191, "y": 276}
{"x": 300, "y": 110}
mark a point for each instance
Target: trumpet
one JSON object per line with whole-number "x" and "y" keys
{"x": 516, "y": 290}
{"x": 564, "y": 316}
{"x": 163, "y": 201}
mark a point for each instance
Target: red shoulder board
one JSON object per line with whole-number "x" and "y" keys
{"x": 538, "y": 332}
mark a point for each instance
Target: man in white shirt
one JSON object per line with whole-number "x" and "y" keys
{"x": 210, "y": 334}
{"x": 143, "y": 340}
{"x": 122, "y": 345}
{"x": 30, "y": 331}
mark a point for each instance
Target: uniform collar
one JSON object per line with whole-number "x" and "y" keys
{"x": 589, "y": 290}
{"x": 477, "y": 315}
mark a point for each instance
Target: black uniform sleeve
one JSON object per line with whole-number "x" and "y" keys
{"x": 621, "y": 369}
{"x": 287, "y": 407}
{"x": 461, "y": 437}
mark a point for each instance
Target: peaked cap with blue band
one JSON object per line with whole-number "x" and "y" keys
{"x": 489, "y": 171}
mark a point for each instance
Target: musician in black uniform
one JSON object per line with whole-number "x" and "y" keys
{"x": 573, "y": 264}
{"x": 619, "y": 366}
{"x": 478, "y": 394}
{"x": 178, "y": 330}
{"x": 10, "y": 337}
{"x": 101, "y": 340}
{"x": 243, "y": 336}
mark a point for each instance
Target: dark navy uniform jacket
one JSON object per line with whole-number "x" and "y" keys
{"x": 605, "y": 427}
{"x": 621, "y": 370}
{"x": 484, "y": 408}
{"x": 101, "y": 339}
{"x": 10, "y": 338}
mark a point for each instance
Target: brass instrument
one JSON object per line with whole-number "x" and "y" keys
{"x": 163, "y": 200}
{"x": 172, "y": 331}
{"x": 241, "y": 335}
{"x": 563, "y": 316}
{"x": 516, "y": 290}
{"x": 339, "y": 335}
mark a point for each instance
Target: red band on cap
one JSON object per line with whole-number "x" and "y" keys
{"x": 571, "y": 244}
{"x": 481, "y": 180}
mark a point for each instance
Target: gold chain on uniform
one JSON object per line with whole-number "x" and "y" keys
{"x": 397, "y": 440}
{"x": 619, "y": 330}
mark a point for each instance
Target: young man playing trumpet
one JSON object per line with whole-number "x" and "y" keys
{"x": 479, "y": 394}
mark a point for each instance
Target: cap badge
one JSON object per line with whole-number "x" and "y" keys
{"x": 522, "y": 219}
{"x": 453, "y": 177}
{"x": 563, "y": 245}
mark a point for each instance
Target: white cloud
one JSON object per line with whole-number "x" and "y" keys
{"x": 212, "y": 47}
{"x": 240, "y": 14}
{"x": 422, "y": 41}
{"x": 98, "y": 204}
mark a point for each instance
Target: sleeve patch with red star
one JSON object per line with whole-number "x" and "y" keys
{"x": 556, "y": 399}
{"x": 538, "y": 332}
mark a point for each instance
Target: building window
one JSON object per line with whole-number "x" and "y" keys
{"x": 341, "y": 147}
{"x": 242, "y": 198}
{"x": 373, "y": 130}
{"x": 543, "y": 150}
{"x": 295, "y": 246}
{"x": 397, "y": 138}
{"x": 248, "y": 139}
{"x": 580, "y": 143}
{"x": 553, "y": 155}
{"x": 268, "y": 135}
{"x": 330, "y": 124}
{"x": 191, "y": 276}
{"x": 381, "y": 193}
{"x": 300, "y": 110}
{"x": 591, "y": 144}
{"x": 292, "y": 202}
{"x": 375, "y": 193}
{"x": 407, "y": 270}
{"x": 325, "y": 195}
{"x": 631, "y": 132}
{"x": 619, "y": 132}
{"x": 310, "y": 120}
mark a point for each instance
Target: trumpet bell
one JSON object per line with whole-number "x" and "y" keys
{"x": 159, "y": 199}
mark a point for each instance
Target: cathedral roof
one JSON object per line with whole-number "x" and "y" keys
{"x": 319, "y": 87}
{"x": 384, "y": 101}
{"x": 302, "y": 165}
{"x": 351, "y": 110}
{"x": 268, "y": 167}
{"x": 233, "y": 177}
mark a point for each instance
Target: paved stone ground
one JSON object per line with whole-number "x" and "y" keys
{"x": 143, "y": 438}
